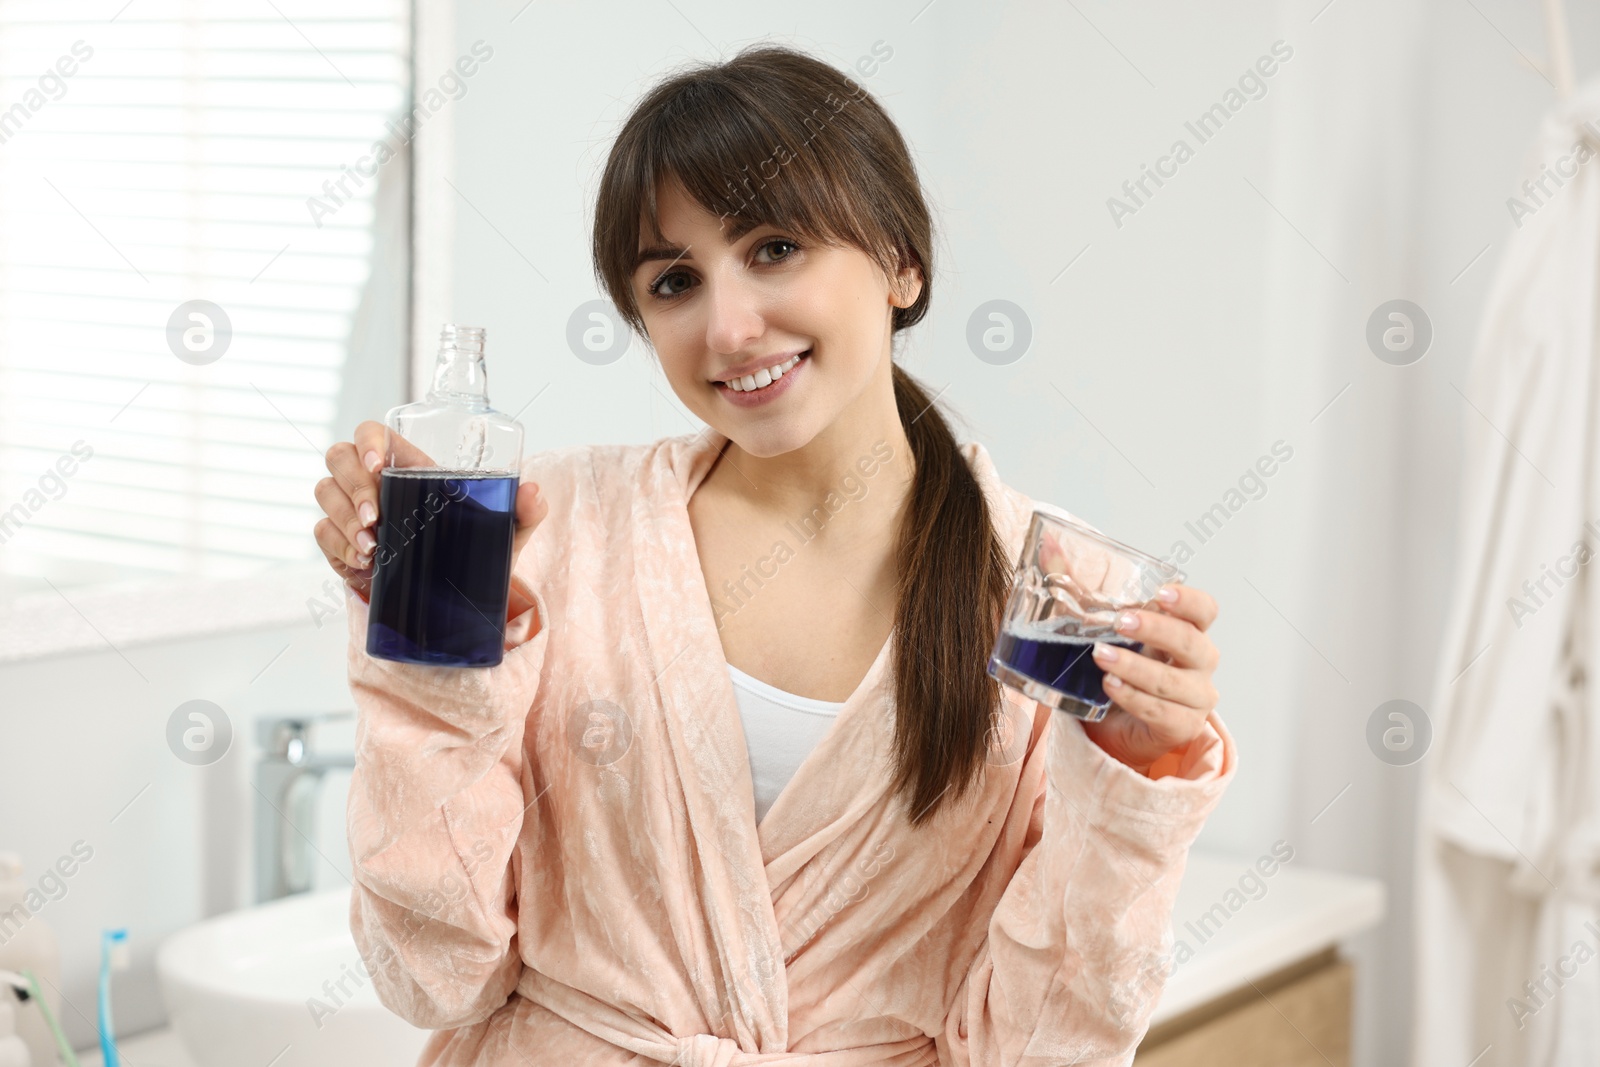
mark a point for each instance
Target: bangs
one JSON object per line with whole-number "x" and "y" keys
{"x": 749, "y": 166}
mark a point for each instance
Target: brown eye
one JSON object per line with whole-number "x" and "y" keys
{"x": 654, "y": 288}
{"x": 781, "y": 241}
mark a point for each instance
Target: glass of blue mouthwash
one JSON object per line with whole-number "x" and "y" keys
{"x": 1070, "y": 584}
{"x": 441, "y": 574}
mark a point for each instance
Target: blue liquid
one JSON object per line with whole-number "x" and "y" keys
{"x": 1064, "y": 662}
{"x": 442, "y": 568}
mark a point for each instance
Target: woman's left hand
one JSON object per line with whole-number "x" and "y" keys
{"x": 1165, "y": 692}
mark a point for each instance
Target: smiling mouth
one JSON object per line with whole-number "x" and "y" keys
{"x": 762, "y": 378}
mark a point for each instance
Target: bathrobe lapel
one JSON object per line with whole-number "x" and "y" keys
{"x": 744, "y": 870}
{"x": 700, "y": 724}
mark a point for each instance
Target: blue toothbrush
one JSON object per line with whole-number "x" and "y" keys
{"x": 114, "y": 956}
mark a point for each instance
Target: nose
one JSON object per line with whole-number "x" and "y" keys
{"x": 733, "y": 314}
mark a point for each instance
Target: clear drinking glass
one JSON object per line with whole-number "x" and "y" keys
{"x": 1071, "y": 582}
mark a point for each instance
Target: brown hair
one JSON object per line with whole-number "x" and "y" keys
{"x": 774, "y": 136}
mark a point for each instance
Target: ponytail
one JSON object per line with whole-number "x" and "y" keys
{"x": 954, "y": 578}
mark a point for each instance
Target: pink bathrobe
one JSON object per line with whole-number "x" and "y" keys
{"x": 557, "y": 861}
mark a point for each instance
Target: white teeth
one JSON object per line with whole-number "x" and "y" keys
{"x": 762, "y": 378}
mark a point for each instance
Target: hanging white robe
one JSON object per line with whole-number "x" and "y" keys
{"x": 1508, "y": 858}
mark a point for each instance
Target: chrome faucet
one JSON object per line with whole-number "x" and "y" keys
{"x": 288, "y": 778}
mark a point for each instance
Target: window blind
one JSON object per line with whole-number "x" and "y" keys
{"x": 155, "y": 156}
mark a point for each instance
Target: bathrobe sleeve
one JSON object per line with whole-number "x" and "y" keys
{"x": 434, "y": 814}
{"x": 1078, "y": 947}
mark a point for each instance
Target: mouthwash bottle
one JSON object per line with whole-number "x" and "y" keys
{"x": 446, "y": 516}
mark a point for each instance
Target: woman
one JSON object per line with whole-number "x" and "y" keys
{"x": 608, "y": 849}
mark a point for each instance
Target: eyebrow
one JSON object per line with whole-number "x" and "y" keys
{"x": 660, "y": 252}
{"x": 674, "y": 253}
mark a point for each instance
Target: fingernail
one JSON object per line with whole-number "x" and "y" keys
{"x": 1105, "y": 652}
{"x": 368, "y": 513}
{"x": 1113, "y": 682}
{"x": 1127, "y": 622}
{"x": 364, "y": 542}
{"x": 1167, "y": 594}
{"x": 372, "y": 460}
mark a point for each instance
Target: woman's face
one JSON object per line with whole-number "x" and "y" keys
{"x": 723, "y": 308}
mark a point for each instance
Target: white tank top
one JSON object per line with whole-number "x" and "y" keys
{"x": 780, "y": 730}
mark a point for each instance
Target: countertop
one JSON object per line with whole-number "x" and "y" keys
{"x": 155, "y": 1048}
{"x": 1241, "y": 927}
{"x": 1240, "y": 924}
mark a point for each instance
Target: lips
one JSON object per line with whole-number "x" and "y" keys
{"x": 771, "y": 393}
{"x": 765, "y": 375}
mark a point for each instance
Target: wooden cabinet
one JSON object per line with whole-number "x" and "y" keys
{"x": 1299, "y": 1015}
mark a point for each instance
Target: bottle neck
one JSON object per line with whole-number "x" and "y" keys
{"x": 460, "y": 375}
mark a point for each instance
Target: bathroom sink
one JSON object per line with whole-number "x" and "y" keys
{"x": 263, "y": 985}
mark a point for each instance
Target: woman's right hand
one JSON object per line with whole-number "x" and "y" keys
{"x": 349, "y": 499}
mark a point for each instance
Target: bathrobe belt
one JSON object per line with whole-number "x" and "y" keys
{"x": 610, "y": 1024}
